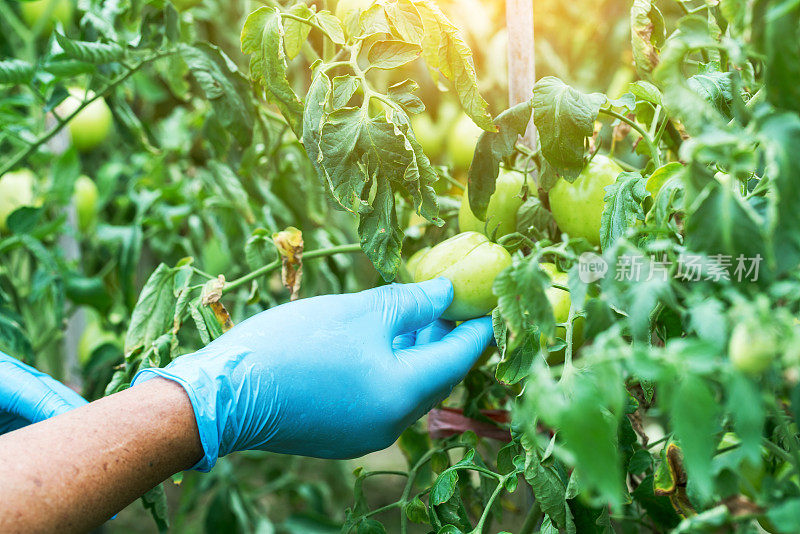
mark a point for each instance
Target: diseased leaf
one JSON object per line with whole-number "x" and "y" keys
{"x": 623, "y": 207}
{"x": 565, "y": 118}
{"x": 262, "y": 38}
{"x": 648, "y": 33}
{"x": 154, "y": 311}
{"x": 380, "y": 233}
{"x": 223, "y": 85}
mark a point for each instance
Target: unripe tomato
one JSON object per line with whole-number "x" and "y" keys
{"x": 85, "y": 199}
{"x": 578, "y": 207}
{"x": 560, "y": 302}
{"x": 462, "y": 140}
{"x": 429, "y": 135}
{"x": 90, "y": 127}
{"x": 501, "y": 214}
{"x": 16, "y": 191}
{"x": 471, "y": 262}
{"x": 32, "y": 12}
{"x": 752, "y": 347}
{"x": 413, "y": 261}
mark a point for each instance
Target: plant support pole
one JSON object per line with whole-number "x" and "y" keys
{"x": 521, "y": 61}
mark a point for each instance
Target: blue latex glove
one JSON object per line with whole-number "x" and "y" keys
{"x": 333, "y": 376}
{"x": 29, "y": 396}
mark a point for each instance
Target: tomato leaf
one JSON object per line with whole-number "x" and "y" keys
{"x": 332, "y": 25}
{"x": 90, "y": 52}
{"x": 16, "y": 71}
{"x": 262, "y": 38}
{"x": 565, "y": 118}
{"x": 491, "y": 149}
{"x": 405, "y": 20}
{"x": 694, "y": 413}
{"x": 296, "y": 32}
{"x": 226, "y": 89}
{"x": 403, "y": 94}
{"x": 648, "y": 33}
{"x": 623, "y": 207}
{"x": 392, "y": 54}
{"x": 522, "y": 300}
{"x": 446, "y": 53}
{"x": 154, "y": 311}
{"x": 380, "y": 233}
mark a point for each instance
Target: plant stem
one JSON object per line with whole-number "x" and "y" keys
{"x": 275, "y": 265}
{"x": 307, "y": 21}
{"x": 25, "y": 153}
{"x": 493, "y": 497}
{"x": 453, "y": 182}
{"x": 650, "y": 145}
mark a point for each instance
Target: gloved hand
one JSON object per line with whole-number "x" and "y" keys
{"x": 29, "y": 396}
{"x": 333, "y": 376}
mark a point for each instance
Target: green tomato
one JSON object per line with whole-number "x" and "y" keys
{"x": 471, "y": 262}
{"x": 90, "y": 127}
{"x": 32, "y": 12}
{"x": 578, "y": 207}
{"x": 462, "y": 140}
{"x": 429, "y": 135}
{"x": 560, "y": 302}
{"x": 413, "y": 261}
{"x": 16, "y": 191}
{"x": 501, "y": 214}
{"x": 752, "y": 347}
{"x": 85, "y": 199}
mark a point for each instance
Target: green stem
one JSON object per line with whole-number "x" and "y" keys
{"x": 25, "y": 153}
{"x": 275, "y": 265}
{"x": 650, "y": 145}
{"x": 452, "y": 181}
{"x": 386, "y": 472}
{"x": 383, "y": 509}
{"x": 307, "y": 21}
{"x": 493, "y": 497}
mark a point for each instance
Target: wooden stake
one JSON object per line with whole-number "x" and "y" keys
{"x": 521, "y": 61}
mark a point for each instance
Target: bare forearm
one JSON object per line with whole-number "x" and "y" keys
{"x": 74, "y": 471}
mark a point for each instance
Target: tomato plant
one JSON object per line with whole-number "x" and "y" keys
{"x": 643, "y": 281}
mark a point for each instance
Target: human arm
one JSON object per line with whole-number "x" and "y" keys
{"x": 333, "y": 376}
{"x": 74, "y": 471}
